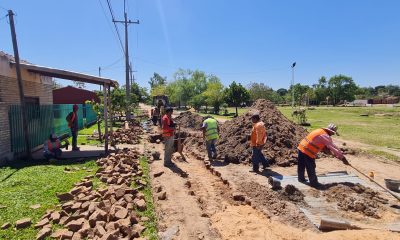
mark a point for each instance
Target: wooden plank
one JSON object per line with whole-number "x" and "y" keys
{"x": 105, "y": 119}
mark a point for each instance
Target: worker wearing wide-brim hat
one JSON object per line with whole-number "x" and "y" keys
{"x": 310, "y": 146}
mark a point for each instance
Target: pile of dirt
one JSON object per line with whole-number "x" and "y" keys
{"x": 189, "y": 120}
{"x": 291, "y": 193}
{"x": 355, "y": 198}
{"x": 273, "y": 204}
{"x": 283, "y": 136}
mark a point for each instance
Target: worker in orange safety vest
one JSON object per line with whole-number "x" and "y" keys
{"x": 316, "y": 141}
{"x": 72, "y": 120}
{"x": 52, "y": 147}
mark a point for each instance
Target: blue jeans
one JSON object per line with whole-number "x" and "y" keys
{"x": 56, "y": 153}
{"x": 211, "y": 150}
{"x": 258, "y": 157}
{"x": 306, "y": 163}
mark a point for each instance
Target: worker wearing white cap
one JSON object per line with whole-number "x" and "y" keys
{"x": 310, "y": 146}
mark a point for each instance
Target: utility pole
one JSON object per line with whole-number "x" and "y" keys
{"x": 293, "y": 65}
{"x": 20, "y": 85}
{"x": 100, "y": 76}
{"x": 126, "y": 22}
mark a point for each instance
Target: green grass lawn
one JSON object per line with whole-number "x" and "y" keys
{"x": 377, "y": 130}
{"x": 231, "y": 112}
{"x": 151, "y": 225}
{"x": 23, "y": 184}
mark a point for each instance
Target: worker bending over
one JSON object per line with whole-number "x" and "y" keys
{"x": 318, "y": 140}
{"x": 52, "y": 147}
{"x": 210, "y": 134}
{"x": 168, "y": 128}
{"x": 258, "y": 139}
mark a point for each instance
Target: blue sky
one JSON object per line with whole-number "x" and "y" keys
{"x": 237, "y": 40}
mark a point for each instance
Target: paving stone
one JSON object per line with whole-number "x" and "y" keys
{"x": 6, "y": 225}
{"x": 42, "y": 223}
{"x": 23, "y": 223}
{"x": 63, "y": 197}
{"x": 62, "y": 234}
{"x": 140, "y": 205}
{"x": 43, "y": 233}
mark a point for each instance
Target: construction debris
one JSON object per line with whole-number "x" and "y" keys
{"x": 106, "y": 213}
{"x": 355, "y": 198}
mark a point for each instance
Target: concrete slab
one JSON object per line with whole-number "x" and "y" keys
{"x": 318, "y": 207}
{"x": 86, "y": 151}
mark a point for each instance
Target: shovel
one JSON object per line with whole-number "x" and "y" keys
{"x": 180, "y": 145}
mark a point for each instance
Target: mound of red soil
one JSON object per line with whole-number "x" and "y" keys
{"x": 189, "y": 120}
{"x": 283, "y": 136}
{"x": 355, "y": 198}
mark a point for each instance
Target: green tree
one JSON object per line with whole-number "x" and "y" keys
{"x": 282, "y": 91}
{"x": 98, "y": 108}
{"x": 140, "y": 92}
{"x": 262, "y": 91}
{"x": 198, "y": 101}
{"x": 341, "y": 88}
{"x": 214, "y": 93}
{"x": 157, "y": 80}
{"x": 236, "y": 95}
{"x": 300, "y": 92}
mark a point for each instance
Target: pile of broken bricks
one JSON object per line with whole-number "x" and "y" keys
{"x": 128, "y": 136}
{"x": 107, "y": 213}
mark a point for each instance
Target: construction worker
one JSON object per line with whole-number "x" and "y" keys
{"x": 155, "y": 115}
{"x": 168, "y": 128}
{"x": 316, "y": 141}
{"x": 210, "y": 134}
{"x": 72, "y": 120}
{"x": 258, "y": 139}
{"x": 52, "y": 147}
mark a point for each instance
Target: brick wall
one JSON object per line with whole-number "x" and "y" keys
{"x": 5, "y": 147}
{"x": 9, "y": 92}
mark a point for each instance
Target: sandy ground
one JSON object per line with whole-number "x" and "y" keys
{"x": 206, "y": 210}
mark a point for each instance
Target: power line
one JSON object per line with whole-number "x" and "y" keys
{"x": 115, "y": 25}
{"x": 111, "y": 28}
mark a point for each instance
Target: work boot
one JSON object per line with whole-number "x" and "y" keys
{"x": 75, "y": 149}
{"x": 317, "y": 185}
{"x": 302, "y": 180}
{"x": 255, "y": 171}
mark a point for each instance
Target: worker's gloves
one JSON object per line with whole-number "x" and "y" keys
{"x": 344, "y": 160}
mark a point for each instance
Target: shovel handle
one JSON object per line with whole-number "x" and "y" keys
{"x": 372, "y": 180}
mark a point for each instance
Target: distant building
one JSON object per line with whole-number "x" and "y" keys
{"x": 73, "y": 95}
{"x": 37, "y": 90}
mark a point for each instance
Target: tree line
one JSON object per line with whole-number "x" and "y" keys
{"x": 197, "y": 89}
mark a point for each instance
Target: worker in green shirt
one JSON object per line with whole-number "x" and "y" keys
{"x": 210, "y": 135}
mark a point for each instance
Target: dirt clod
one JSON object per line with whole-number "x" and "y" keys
{"x": 355, "y": 198}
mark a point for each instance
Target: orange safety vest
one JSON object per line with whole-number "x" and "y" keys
{"x": 309, "y": 147}
{"x": 166, "y": 122}
{"x": 50, "y": 145}
{"x": 72, "y": 120}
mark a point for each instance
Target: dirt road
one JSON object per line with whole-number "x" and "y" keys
{"x": 199, "y": 202}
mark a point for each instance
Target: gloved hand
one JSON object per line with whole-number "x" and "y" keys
{"x": 344, "y": 160}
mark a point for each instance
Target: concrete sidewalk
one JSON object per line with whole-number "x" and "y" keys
{"x": 86, "y": 151}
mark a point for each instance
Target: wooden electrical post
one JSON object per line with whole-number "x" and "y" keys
{"x": 20, "y": 85}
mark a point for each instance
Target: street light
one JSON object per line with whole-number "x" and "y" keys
{"x": 293, "y": 65}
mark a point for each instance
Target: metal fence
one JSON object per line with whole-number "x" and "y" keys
{"x": 43, "y": 120}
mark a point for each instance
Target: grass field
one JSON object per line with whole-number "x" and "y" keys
{"x": 23, "y": 184}
{"x": 380, "y": 128}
